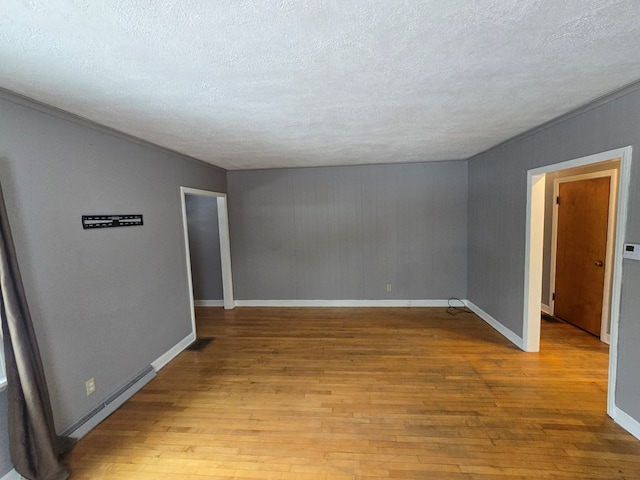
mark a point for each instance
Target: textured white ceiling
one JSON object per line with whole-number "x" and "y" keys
{"x": 277, "y": 83}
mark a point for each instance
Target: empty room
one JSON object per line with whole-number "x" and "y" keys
{"x": 319, "y": 240}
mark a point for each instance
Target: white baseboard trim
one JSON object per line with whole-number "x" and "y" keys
{"x": 627, "y": 422}
{"x": 208, "y": 303}
{"x": 12, "y": 475}
{"x": 101, "y": 413}
{"x": 545, "y": 309}
{"x": 173, "y": 352}
{"x": 504, "y": 331}
{"x": 105, "y": 409}
{"x": 341, "y": 303}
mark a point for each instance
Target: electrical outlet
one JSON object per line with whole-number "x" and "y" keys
{"x": 90, "y": 385}
{"x": 388, "y": 287}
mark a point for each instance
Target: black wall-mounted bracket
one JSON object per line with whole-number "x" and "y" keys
{"x": 106, "y": 221}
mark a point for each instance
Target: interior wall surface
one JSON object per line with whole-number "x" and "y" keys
{"x": 105, "y": 302}
{"x": 345, "y": 233}
{"x": 497, "y": 216}
{"x": 204, "y": 247}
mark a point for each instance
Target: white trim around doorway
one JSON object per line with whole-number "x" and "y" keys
{"x": 611, "y": 233}
{"x": 225, "y": 248}
{"x": 534, "y": 247}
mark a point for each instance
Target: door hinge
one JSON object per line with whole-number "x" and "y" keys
{"x": 557, "y": 200}
{"x": 553, "y": 296}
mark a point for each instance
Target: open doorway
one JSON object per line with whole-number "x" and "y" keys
{"x": 536, "y": 179}
{"x": 204, "y": 250}
{"x": 580, "y": 219}
{"x": 223, "y": 242}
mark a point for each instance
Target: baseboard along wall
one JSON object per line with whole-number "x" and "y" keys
{"x": 508, "y": 334}
{"x": 627, "y": 422}
{"x": 622, "y": 418}
{"x": 341, "y": 303}
{"x": 501, "y": 329}
{"x": 12, "y": 475}
{"x": 113, "y": 402}
{"x": 208, "y": 303}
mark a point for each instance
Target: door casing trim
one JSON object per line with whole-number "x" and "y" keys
{"x": 225, "y": 248}
{"x": 611, "y": 233}
{"x": 534, "y": 225}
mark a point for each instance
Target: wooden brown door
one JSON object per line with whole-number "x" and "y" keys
{"x": 583, "y": 215}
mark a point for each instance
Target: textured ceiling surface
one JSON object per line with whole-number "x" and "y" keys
{"x": 279, "y": 83}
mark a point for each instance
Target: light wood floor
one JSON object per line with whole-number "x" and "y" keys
{"x": 366, "y": 393}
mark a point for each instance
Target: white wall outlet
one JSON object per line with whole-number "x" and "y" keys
{"x": 388, "y": 287}
{"x": 90, "y": 385}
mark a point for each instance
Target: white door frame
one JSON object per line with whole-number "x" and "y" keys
{"x": 612, "y": 174}
{"x": 534, "y": 246}
{"x": 225, "y": 247}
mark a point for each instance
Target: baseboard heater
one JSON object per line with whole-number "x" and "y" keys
{"x": 87, "y": 423}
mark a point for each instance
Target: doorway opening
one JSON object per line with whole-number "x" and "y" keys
{"x": 534, "y": 246}
{"x": 225, "y": 247}
{"x": 581, "y": 213}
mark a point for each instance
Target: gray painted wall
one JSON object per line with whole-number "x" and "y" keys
{"x": 497, "y": 209}
{"x": 204, "y": 247}
{"x": 345, "y": 232}
{"x": 5, "y": 461}
{"x": 105, "y": 303}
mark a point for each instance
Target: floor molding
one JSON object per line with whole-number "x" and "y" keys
{"x": 102, "y": 411}
{"x": 173, "y": 352}
{"x": 12, "y": 475}
{"x": 341, "y": 303}
{"x": 208, "y": 303}
{"x": 504, "y": 331}
{"x": 627, "y": 422}
{"x": 545, "y": 309}
{"x": 109, "y": 405}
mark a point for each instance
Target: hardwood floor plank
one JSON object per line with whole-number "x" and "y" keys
{"x": 361, "y": 393}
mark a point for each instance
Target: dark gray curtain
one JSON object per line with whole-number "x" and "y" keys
{"x": 35, "y": 448}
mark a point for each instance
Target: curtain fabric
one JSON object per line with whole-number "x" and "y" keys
{"x": 34, "y": 445}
